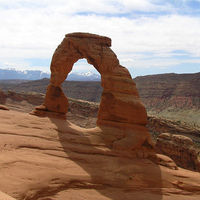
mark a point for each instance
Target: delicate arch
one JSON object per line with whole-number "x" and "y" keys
{"x": 95, "y": 49}
{"x": 122, "y": 117}
{"x": 120, "y": 101}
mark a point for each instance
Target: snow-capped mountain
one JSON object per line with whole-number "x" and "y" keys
{"x": 88, "y": 76}
{"x": 37, "y": 74}
{"x": 27, "y": 74}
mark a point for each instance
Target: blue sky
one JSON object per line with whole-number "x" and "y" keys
{"x": 148, "y": 36}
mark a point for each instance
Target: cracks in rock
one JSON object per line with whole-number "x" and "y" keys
{"x": 24, "y": 135}
{"x": 79, "y": 52}
{"x": 33, "y": 147}
{"x": 57, "y": 186}
{"x": 75, "y": 47}
{"x": 101, "y": 54}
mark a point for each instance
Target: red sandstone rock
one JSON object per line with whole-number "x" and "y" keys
{"x": 3, "y": 107}
{"x": 55, "y": 99}
{"x": 166, "y": 161}
{"x": 180, "y": 149}
{"x": 120, "y": 102}
{"x": 50, "y": 158}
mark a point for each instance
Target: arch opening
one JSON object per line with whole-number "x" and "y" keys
{"x": 83, "y": 71}
{"x": 83, "y": 89}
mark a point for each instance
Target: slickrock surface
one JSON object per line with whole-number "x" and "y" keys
{"x": 122, "y": 116}
{"x": 180, "y": 149}
{"x": 50, "y": 158}
{"x": 4, "y": 196}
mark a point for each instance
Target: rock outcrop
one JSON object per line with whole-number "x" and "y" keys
{"x": 122, "y": 116}
{"x": 3, "y": 107}
{"x": 3, "y": 100}
{"x": 49, "y": 158}
{"x": 160, "y": 125}
{"x": 180, "y": 149}
{"x": 2, "y": 97}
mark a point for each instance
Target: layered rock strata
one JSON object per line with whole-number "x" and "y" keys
{"x": 122, "y": 117}
{"x": 180, "y": 149}
{"x": 49, "y": 158}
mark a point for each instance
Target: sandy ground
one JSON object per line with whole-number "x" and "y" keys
{"x": 50, "y": 159}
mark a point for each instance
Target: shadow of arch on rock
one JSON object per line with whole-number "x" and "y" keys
{"x": 112, "y": 174}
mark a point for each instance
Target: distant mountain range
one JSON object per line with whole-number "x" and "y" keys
{"x": 37, "y": 74}
{"x": 172, "y": 96}
{"x": 88, "y": 76}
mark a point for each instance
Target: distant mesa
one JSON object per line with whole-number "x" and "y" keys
{"x": 122, "y": 117}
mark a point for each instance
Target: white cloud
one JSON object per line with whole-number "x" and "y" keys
{"x": 33, "y": 29}
{"x": 158, "y": 63}
{"x": 97, "y": 6}
{"x": 9, "y": 64}
{"x": 144, "y": 5}
{"x": 164, "y": 34}
{"x": 127, "y": 60}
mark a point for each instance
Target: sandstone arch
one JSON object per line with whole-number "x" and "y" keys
{"x": 120, "y": 100}
{"x": 122, "y": 116}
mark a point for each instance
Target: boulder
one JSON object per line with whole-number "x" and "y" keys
{"x": 180, "y": 149}
{"x": 3, "y": 107}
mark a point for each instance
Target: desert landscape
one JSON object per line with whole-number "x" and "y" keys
{"x": 171, "y": 96}
{"x": 56, "y": 147}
